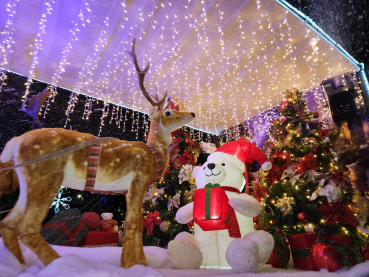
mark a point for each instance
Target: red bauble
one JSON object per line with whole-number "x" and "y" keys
{"x": 325, "y": 256}
{"x": 92, "y": 220}
{"x": 302, "y": 217}
{"x": 255, "y": 219}
{"x": 275, "y": 222}
{"x": 279, "y": 231}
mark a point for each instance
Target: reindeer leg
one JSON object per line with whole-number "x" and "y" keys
{"x": 41, "y": 193}
{"x": 139, "y": 254}
{"x": 132, "y": 245}
{"x": 9, "y": 235}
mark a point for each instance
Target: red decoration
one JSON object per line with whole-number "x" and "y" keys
{"x": 366, "y": 253}
{"x": 275, "y": 173}
{"x": 92, "y": 220}
{"x": 190, "y": 224}
{"x": 275, "y": 222}
{"x": 275, "y": 261}
{"x": 211, "y": 210}
{"x": 337, "y": 212}
{"x": 307, "y": 162}
{"x": 109, "y": 229}
{"x": 324, "y": 133}
{"x": 259, "y": 191}
{"x": 100, "y": 239}
{"x": 299, "y": 243}
{"x": 326, "y": 256}
{"x": 152, "y": 219}
{"x": 279, "y": 231}
{"x": 255, "y": 219}
{"x": 302, "y": 217}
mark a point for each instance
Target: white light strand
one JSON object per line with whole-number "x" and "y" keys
{"x": 6, "y": 41}
{"x": 37, "y": 46}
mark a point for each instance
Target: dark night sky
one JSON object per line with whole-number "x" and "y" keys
{"x": 346, "y": 21}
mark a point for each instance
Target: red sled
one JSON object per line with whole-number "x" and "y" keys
{"x": 211, "y": 210}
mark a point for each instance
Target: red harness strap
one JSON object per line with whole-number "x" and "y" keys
{"x": 93, "y": 162}
{"x": 158, "y": 162}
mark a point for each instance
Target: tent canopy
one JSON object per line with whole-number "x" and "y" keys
{"x": 227, "y": 61}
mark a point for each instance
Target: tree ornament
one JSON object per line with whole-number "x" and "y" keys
{"x": 60, "y": 201}
{"x": 332, "y": 192}
{"x": 272, "y": 201}
{"x": 173, "y": 201}
{"x": 325, "y": 256}
{"x": 92, "y": 220}
{"x": 302, "y": 217}
{"x": 284, "y": 204}
{"x": 309, "y": 228}
{"x": 279, "y": 231}
{"x": 255, "y": 219}
{"x": 275, "y": 222}
{"x": 164, "y": 226}
{"x": 185, "y": 173}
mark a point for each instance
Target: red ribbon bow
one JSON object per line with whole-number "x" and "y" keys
{"x": 306, "y": 162}
{"x": 151, "y": 220}
{"x": 337, "y": 212}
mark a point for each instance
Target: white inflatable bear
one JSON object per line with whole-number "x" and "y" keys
{"x": 216, "y": 249}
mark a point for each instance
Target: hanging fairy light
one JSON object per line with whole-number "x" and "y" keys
{"x": 6, "y": 41}
{"x": 37, "y": 46}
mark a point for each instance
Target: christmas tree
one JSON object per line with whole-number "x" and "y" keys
{"x": 306, "y": 190}
{"x": 175, "y": 190}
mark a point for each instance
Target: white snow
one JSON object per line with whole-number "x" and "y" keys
{"x": 105, "y": 261}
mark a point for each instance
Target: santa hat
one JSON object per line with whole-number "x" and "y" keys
{"x": 241, "y": 152}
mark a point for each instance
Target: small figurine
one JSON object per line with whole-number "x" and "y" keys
{"x": 108, "y": 224}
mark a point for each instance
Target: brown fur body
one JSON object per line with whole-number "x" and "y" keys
{"x": 8, "y": 179}
{"x": 39, "y": 183}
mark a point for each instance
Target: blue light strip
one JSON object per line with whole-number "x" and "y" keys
{"x": 312, "y": 25}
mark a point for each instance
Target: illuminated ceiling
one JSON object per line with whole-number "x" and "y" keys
{"x": 227, "y": 60}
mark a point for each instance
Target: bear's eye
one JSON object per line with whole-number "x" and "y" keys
{"x": 204, "y": 167}
{"x": 223, "y": 164}
{"x": 168, "y": 113}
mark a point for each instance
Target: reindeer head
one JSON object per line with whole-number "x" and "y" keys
{"x": 167, "y": 117}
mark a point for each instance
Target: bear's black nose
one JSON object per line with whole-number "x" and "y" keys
{"x": 193, "y": 114}
{"x": 211, "y": 166}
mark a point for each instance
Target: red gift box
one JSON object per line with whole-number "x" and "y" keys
{"x": 94, "y": 238}
{"x": 300, "y": 247}
{"x": 211, "y": 210}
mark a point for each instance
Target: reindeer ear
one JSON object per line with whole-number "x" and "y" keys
{"x": 154, "y": 113}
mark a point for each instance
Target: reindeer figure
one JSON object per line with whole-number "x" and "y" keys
{"x": 122, "y": 166}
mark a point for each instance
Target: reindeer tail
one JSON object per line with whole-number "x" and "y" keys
{"x": 8, "y": 150}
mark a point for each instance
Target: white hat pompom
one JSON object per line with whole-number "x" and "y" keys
{"x": 266, "y": 166}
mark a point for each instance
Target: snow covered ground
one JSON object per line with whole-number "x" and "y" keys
{"x": 105, "y": 262}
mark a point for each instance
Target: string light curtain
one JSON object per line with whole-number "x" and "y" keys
{"x": 227, "y": 60}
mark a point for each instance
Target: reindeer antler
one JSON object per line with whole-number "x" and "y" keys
{"x": 141, "y": 76}
{"x": 34, "y": 105}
